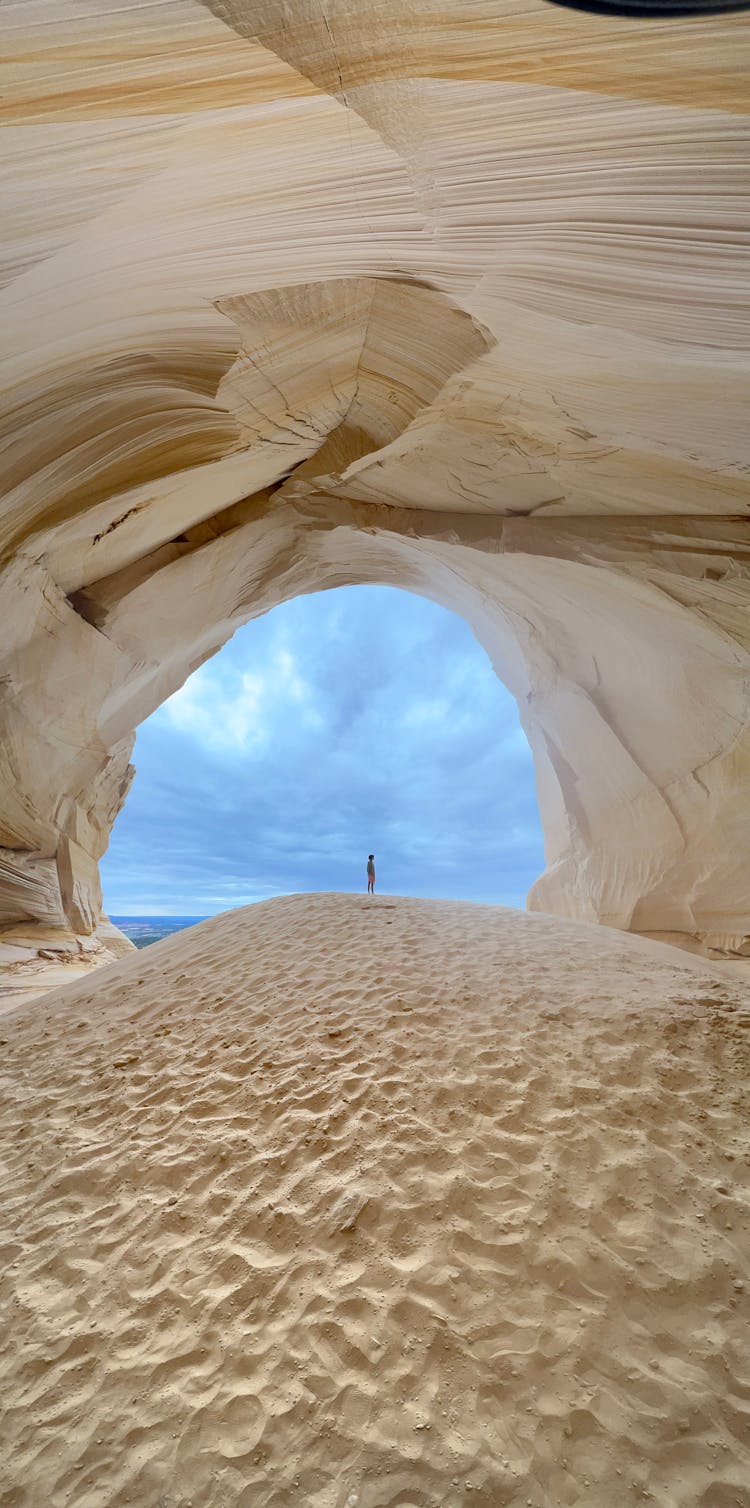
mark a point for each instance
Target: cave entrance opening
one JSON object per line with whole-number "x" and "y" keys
{"x": 356, "y": 719}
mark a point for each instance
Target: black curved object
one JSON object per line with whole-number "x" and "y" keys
{"x": 665, "y": 9}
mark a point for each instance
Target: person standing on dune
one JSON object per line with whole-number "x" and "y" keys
{"x": 371, "y": 874}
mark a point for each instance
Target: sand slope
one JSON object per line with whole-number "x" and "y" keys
{"x": 333, "y": 1202}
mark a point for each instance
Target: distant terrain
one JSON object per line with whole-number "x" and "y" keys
{"x": 143, "y": 930}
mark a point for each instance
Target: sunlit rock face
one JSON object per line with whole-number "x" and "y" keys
{"x": 299, "y": 295}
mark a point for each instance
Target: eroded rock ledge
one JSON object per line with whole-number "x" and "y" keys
{"x": 453, "y": 303}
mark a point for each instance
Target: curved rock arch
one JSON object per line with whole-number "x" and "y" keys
{"x": 475, "y": 331}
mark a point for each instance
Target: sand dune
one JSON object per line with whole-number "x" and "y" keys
{"x": 400, "y": 1203}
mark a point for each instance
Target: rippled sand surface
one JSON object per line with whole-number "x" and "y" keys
{"x": 389, "y": 1203}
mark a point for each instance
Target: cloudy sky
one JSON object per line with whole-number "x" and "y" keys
{"x": 355, "y": 721}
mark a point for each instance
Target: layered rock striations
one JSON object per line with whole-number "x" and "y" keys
{"x": 454, "y": 299}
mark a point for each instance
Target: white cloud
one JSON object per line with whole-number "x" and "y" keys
{"x": 428, "y": 711}
{"x": 237, "y": 710}
{"x": 220, "y": 714}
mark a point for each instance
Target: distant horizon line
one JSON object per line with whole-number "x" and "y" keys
{"x": 165, "y": 916}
